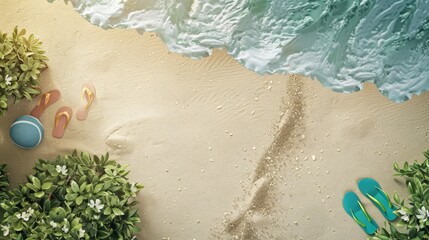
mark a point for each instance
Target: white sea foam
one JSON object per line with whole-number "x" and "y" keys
{"x": 342, "y": 43}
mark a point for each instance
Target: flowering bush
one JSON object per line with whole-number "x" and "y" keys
{"x": 73, "y": 197}
{"x": 21, "y": 61}
{"x": 413, "y": 223}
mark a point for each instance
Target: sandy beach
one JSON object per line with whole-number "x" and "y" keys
{"x": 223, "y": 152}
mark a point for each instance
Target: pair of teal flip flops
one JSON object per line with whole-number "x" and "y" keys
{"x": 354, "y": 207}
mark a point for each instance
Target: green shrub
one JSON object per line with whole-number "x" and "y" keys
{"x": 73, "y": 197}
{"x": 4, "y": 182}
{"x": 21, "y": 62}
{"x": 414, "y": 214}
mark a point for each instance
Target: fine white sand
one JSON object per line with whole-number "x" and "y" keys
{"x": 223, "y": 152}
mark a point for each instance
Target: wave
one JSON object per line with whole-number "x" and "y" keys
{"x": 342, "y": 43}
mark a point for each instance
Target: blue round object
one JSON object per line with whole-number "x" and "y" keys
{"x": 26, "y": 132}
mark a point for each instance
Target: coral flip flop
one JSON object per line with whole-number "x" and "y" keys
{"x": 62, "y": 119}
{"x": 353, "y": 206}
{"x": 372, "y": 190}
{"x": 87, "y": 96}
{"x": 45, "y": 101}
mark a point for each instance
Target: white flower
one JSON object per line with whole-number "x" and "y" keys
{"x": 65, "y": 229}
{"x": 62, "y": 169}
{"x": 405, "y": 216}
{"x": 423, "y": 214}
{"x": 5, "y": 230}
{"x": 96, "y": 205}
{"x": 24, "y": 216}
{"x": 8, "y": 80}
{"x": 81, "y": 233}
{"x": 53, "y": 224}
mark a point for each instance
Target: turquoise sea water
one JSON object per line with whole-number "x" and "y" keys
{"x": 342, "y": 43}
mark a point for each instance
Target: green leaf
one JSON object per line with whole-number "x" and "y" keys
{"x": 17, "y": 226}
{"x": 107, "y": 211}
{"x": 426, "y": 154}
{"x": 74, "y": 186}
{"x": 103, "y": 234}
{"x": 71, "y": 197}
{"x": 406, "y": 167}
{"x": 413, "y": 232}
{"x": 396, "y": 167}
{"x": 82, "y": 187}
{"x": 32, "y": 91}
{"x": 47, "y": 205}
{"x": 36, "y": 182}
{"x": 411, "y": 188}
{"x": 98, "y": 187}
{"x": 79, "y": 200}
{"x": 75, "y": 222}
{"x": 117, "y": 211}
{"x": 107, "y": 185}
{"x": 396, "y": 198}
{"x": 39, "y": 194}
{"x": 22, "y": 32}
{"x": 393, "y": 230}
{"x": 46, "y": 185}
{"x": 24, "y": 67}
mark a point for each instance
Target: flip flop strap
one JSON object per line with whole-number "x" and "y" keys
{"x": 387, "y": 196}
{"x": 90, "y": 99}
{"x": 356, "y": 220}
{"x": 364, "y": 211}
{"x": 373, "y": 199}
{"x": 59, "y": 115}
{"x": 45, "y": 96}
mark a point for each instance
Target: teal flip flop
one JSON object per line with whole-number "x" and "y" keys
{"x": 372, "y": 190}
{"x": 353, "y": 206}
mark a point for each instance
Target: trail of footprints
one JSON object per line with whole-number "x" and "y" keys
{"x": 258, "y": 202}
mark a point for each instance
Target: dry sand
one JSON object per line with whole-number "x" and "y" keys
{"x": 223, "y": 152}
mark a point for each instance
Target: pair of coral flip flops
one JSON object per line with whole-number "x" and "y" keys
{"x": 64, "y": 114}
{"x": 354, "y": 207}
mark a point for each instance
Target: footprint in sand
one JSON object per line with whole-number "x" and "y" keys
{"x": 251, "y": 205}
{"x": 119, "y": 138}
{"x": 118, "y": 144}
{"x": 247, "y": 219}
{"x": 125, "y": 136}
